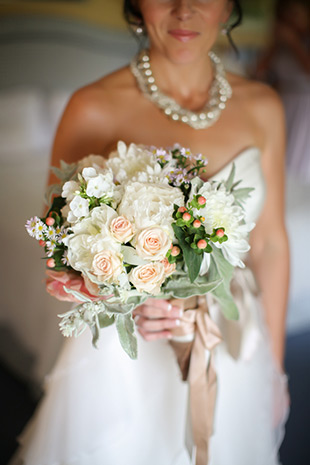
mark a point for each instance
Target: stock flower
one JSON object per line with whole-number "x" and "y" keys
{"x": 148, "y": 278}
{"x": 146, "y": 204}
{"x": 69, "y": 190}
{"x": 79, "y": 207}
{"x": 96, "y": 161}
{"x": 100, "y": 185}
{"x": 152, "y": 243}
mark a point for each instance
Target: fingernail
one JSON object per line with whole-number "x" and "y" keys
{"x": 169, "y": 308}
{"x": 169, "y": 336}
{"x": 177, "y": 322}
{"x": 181, "y": 313}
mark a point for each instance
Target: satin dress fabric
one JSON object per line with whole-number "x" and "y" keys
{"x": 101, "y": 408}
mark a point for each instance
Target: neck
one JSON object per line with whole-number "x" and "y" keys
{"x": 187, "y": 83}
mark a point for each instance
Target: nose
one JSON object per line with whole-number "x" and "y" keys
{"x": 183, "y": 9}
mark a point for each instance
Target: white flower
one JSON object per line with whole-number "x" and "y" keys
{"x": 145, "y": 204}
{"x": 90, "y": 237}
{"x": 79, "y": 207}
{"x": 96, "y": 161}
{"x": 152, "y": 243}
{"x": 69, "y": 190}
{"x": 135, "y": 163}
{"x": 221, "y": 212}
{"x": 100, "y": 185}
{"x": 88, "y": 173}
{"x": 41, "y": 228}
{"x": 148, "y": 278}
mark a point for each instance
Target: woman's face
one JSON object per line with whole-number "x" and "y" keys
{"x": 184, "y": 30}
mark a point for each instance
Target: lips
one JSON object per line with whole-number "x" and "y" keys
{"x": 183, "y": 35}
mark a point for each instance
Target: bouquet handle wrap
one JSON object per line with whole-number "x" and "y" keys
{"x": 198, "y": 369}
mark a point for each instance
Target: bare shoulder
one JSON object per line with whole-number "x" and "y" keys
{"x": 92, "y": 117}
{"x": 263, "y": 106}
{"x": 100, "y": 101}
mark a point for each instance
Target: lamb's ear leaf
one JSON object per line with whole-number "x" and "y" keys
{"x": 126, "y": 333}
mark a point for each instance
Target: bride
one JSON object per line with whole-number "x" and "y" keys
{"x": 100, "y": 407}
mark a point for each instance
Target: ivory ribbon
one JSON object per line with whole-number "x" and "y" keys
{"x": 198, "y": 369}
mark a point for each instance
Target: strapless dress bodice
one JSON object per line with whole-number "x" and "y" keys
{"x": 249, "y": 172}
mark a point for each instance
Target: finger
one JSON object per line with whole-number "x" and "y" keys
{"x": 148, "y": 311}
{"x": 152, "y": 325}
{"x": 155, "y": 336}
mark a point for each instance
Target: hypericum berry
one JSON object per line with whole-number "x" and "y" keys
{"x": 220, "y": 232}
{"x": 41, "y": 243}
{"x": 201, "y": 200}
{"x": 51, "y": 263}
{"x": 175, "y": 251}
{"x": 182, "y": 209}
{"x": 186, "y": 216}
{"x": 197, "y": 224}
{"x": 202, "y": 244}
{"x": 49, "y": 221}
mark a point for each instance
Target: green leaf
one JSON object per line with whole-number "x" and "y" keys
{"x": 77, "y": 294}
{"x": 230, "y": 180}
{"x": 105, "y": 320}
{"x": 221, "y": 267}
{"x": 192, "y": 260}
{"x": 242, "y": 194}
{"x": 128, "y": 340}
{"x": 181, "y": 288}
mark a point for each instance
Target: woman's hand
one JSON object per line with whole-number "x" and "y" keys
{"x": 156, "y": 318}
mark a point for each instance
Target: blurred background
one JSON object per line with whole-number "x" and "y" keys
{"x": 47, "y": 50}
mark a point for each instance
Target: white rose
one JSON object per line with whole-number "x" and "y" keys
{"x": 107, "y": 266}
{"x": 69, "y": 189}
{"x": 146, "y": 204}
{"x": 79, "y": 206}
{"x": 121, "y": 229}
{"x": 152, "y": 243}
{"x": 148, "y": 278}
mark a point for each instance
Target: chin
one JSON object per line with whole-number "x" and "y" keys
{"x": 185, "y": 55}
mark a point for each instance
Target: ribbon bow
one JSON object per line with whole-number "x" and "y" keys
{"x": 196, "y": 361}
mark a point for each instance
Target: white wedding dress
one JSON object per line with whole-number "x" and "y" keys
{"x": 101, "y": 408}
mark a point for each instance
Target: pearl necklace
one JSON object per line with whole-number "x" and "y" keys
{"x": 220, "y": 91}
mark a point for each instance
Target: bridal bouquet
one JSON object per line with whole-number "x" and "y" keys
{"x": 138, "y": 224}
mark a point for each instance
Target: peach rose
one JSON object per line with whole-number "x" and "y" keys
{"x": 153, "y": 243}
{"x": 58, "y": 280}
{"x": 107, "y": 266}
{"x": 169, "y": 267}
{"x": 122, "y": 229}
{"x": 148, "y": 278}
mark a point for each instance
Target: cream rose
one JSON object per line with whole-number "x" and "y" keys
{"x": 169, "y": 267}
{"x": 122, "y": 229}
{"x": 148, "y": 278}
{"x": 107, "y": 266}
{"x": 152, "y": 243}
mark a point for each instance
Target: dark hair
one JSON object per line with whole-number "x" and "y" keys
{"x": 133, "y": 16}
